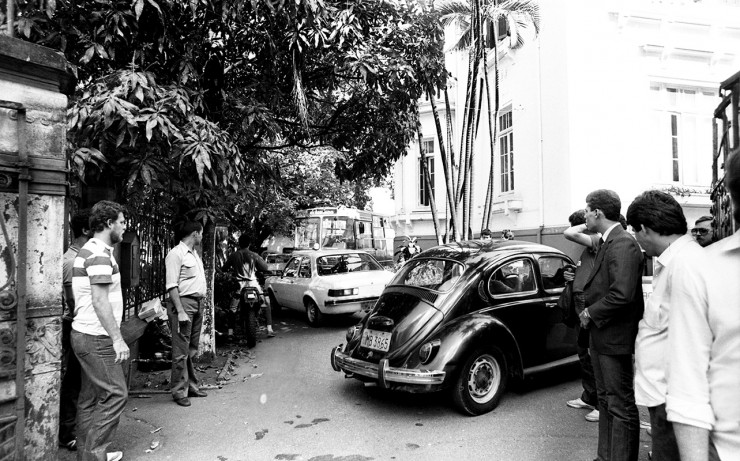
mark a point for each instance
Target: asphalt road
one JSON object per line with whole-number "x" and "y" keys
{"x": 284, "y": 402}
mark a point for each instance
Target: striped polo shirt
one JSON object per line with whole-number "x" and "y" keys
{"x": 95, "y": 265}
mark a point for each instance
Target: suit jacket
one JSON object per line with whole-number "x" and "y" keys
{"x": 614, "y": 294}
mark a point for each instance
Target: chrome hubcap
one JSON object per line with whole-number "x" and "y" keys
{"x": 484, "y": 379}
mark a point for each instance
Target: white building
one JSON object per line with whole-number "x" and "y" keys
{"x": 612, "y": 94}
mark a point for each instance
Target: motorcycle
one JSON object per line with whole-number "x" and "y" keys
{"x": 250, "y": 305}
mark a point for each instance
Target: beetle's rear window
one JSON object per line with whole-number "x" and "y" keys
{"x": 432, "y": 274}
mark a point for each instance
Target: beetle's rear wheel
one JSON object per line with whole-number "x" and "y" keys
{"x": 481, "y": 383}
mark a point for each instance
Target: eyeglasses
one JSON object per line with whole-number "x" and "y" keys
{"x": 699, "y": 231}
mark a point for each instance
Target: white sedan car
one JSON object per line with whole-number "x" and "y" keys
{"x": 328, "y": 282}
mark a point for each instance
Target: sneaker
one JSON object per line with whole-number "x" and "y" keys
{"x": 115, "y": 456}
{"x": 593, "y": 416}
{"x": 578, "y": 403}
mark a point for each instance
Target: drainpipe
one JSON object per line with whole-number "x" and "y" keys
{"x": 540, "y": 147}
{"x": 20, "y": 325}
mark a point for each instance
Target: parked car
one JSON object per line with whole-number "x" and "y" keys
{"x": 276, "y": 262}
{"x": 328, "y": 282}
{"x": 468, "y": 317}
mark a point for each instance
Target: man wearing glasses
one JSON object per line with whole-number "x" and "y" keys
{"x": 703, "y": 231}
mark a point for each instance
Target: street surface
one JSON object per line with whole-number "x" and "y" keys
{"x": 286, "y": 403}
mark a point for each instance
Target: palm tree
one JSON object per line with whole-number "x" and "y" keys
{"x": 472, "y": 17}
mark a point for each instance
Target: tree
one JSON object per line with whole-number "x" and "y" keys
{"x": 478, "y": 22}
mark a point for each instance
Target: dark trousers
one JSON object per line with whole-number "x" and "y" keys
{"x": 665, "y": 447}
{"x": 587, "y": 370}
{"x": 70, "y": 391}
{"x": 619, "y": 420}
{"x": 184, "y": 347}
{"x": 102, "y": 398}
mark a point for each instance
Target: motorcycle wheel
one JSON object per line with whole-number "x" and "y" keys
{"x": 250, "y": 327}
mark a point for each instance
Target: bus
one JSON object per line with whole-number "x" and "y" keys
{"x": 345, "y": 228}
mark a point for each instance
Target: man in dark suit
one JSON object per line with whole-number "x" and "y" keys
{"x": 614, "y": 306}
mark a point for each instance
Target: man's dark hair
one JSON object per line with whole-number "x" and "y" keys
{"x": 244, "y": 241}
{"x": 607, "y": 201}
{"x": 704, "y": 219}
{"x": 485, "y": 232}
{"x": 659, "y": 211}
{"x": 102, "y": 212}
{"x": 185, "y": 228}
{"x": 732, "y": 182}
{"x": 577, "y": 218}
{"x": 80, "y": 222}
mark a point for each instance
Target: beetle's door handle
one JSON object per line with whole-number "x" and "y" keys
{"x": 551, "y": 305}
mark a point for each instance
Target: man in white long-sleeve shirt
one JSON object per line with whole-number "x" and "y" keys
{"x": 703, "y": 400}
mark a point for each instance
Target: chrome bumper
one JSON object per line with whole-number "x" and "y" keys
{"x": 382, "y": 372}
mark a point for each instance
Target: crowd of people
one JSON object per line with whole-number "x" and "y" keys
{"x": 676, "y": 352}
{"x": 94, "y": 389}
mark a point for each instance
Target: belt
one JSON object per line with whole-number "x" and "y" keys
{"x": 195, "y": 297}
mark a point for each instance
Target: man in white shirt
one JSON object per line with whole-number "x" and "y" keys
{"x": 185, "y": 282}
{"x": 703, "y": 400}
{"x": 660, "y": 228}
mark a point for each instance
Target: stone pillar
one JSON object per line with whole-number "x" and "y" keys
{"x": 33, "y": 83}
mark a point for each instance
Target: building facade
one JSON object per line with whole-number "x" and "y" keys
{"x": 613, "y": 94}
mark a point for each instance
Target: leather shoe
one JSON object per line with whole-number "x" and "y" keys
{"x": 197, "y": 393}
{"x": 183, "y": 402}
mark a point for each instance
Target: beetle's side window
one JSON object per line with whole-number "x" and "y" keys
{"x": 291, "y": 269}
{"x": 552, "y": 269}
{"x": 513, "y": 277}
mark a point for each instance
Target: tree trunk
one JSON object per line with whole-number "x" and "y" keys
{"x": 207, "y": 347}
{"x": 494, "y": 134}
{"x": 446, "y": 163}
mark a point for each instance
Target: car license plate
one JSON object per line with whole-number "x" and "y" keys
{"x": 367, "y": 305}
{"x": 376, "y": 340}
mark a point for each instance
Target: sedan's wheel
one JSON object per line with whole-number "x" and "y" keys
{"x": 274, "y": 304}
{"x": 481, "y": 382}
{"x": 313, "y": 314}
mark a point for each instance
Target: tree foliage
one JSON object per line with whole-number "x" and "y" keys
{"x": 200, "y": 99}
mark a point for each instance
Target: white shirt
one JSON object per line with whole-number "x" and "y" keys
{"x": 609, "y": 231}
{"x": 184, "y": 270}
{"x": 704, "y": 345}
{"x": 652, "y": 335}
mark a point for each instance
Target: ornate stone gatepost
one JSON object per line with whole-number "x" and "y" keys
{"x": 33, "y": 107}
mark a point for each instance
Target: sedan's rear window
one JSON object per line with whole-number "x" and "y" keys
{"x": 432, "y": 274}
{"x": 350, "y": 262}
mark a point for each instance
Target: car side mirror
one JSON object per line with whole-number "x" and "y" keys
{"x": 279, "y": 273}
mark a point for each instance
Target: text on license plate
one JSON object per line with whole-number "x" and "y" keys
{"x": 377, "y": 340}
{"x": 367, "y": 305}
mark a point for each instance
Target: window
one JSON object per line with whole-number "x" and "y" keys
{"x": 552, "y": 270}
{"x": 506, "y": 147}
{"x": 427, "y": 150}
{"x": 513, "y": 277}
{"x": 432, "y": 274}
{"x": 681, "y": 133}
{"x": 364, "y": 234}
{"x": 343, "y": 263}
{"x": 291, "y": 269}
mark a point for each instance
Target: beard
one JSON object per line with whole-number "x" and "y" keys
{"x": 116, "y": 237}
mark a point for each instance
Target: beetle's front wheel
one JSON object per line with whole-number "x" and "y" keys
{"x": 481, "y": 382}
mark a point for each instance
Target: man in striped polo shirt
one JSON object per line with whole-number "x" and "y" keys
{"x": 96, "y": 335}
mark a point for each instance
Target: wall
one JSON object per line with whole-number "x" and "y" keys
{"x": 36, "y": 78}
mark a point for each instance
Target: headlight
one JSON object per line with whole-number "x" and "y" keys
{"x": 427, "y": 351}
{"x": 344, "y": 292}
{"x": 351, "y": 332}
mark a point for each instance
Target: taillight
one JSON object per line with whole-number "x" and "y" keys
{"x": 427, "y": 351}
{"x": 344, "y": 292}
{"x": 351, "y": 332}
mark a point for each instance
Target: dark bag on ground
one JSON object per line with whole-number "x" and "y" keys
{"x": 567, "y": 306}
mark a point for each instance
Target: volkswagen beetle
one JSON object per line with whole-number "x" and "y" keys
{"x": 467, "y": 317}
